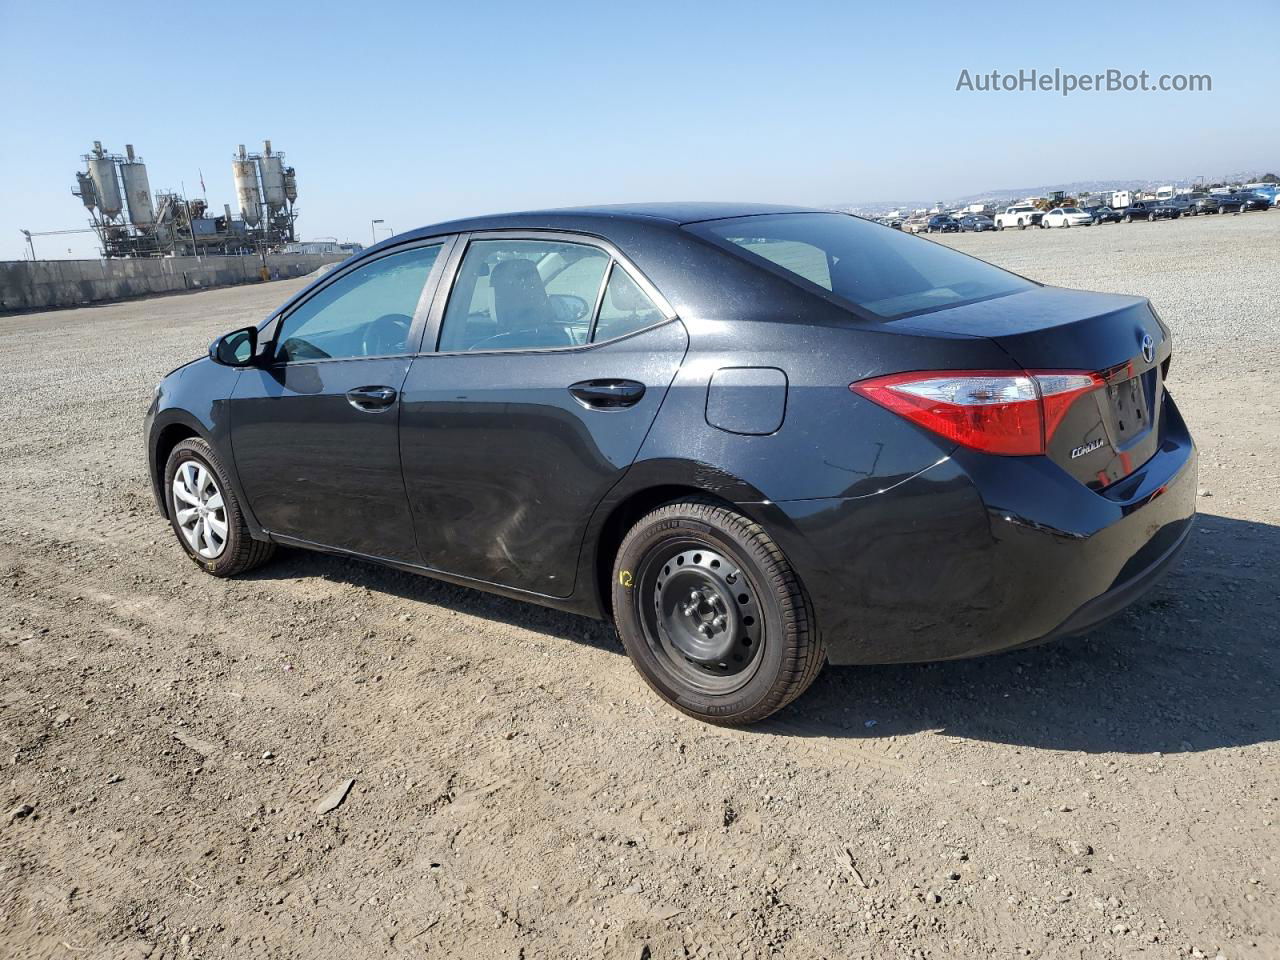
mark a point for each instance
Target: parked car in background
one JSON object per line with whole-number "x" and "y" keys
{"x": 1066, "y": 217}
{"x": 915, "y": 224}
{"x": 1186, "y": 206}
{"x": 1254, "y": 201}
{"x": 976, "y": 223}
{"x": 1229, "y": 203}
{"x": 513, "y": 404}
{"x": 1139, "y": 210}
{"x": 1100, "y": 215}
{"x": 942, "y": 223}
{"x": 1165, "y": 210}
{"x": 1208, "y": 204}
{"x": 1020, "y": 215}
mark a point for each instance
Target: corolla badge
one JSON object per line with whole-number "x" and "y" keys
{"x": 1148, "y": 348}
{"x": 1089, "y": 447}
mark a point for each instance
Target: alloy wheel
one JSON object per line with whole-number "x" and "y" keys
{"x": 199, "y": 509}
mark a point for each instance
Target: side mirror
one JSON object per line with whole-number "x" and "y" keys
{"x": 235, "y": 349}
{"x": 568, "y": 308}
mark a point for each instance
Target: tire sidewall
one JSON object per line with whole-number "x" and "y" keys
{"x": 200, "y": 451}
{"x": 626, "y": 606}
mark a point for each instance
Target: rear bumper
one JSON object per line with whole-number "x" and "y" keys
{"x": 979, "y": 554}
{"x": 1099, "y": 610}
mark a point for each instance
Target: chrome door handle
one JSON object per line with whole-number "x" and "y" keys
{"x": 607, "y": 394}
{"x": 371, "y": 399}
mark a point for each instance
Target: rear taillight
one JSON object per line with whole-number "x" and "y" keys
{"x": 995, "y": 411}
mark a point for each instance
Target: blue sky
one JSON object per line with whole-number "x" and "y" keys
{"x": 416, "y": 112}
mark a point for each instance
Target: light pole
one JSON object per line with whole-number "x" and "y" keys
{"x": 373, "y": 230}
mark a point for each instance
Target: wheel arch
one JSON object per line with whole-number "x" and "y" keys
{"x": 175, "y": 425}
{"x": 646, "y": 487}
{"x": 165, "y": 435}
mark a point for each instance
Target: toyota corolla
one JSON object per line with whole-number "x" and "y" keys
{"x": 759, "y": 439}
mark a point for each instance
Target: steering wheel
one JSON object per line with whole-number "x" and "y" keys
{"x": 386, "y": 335}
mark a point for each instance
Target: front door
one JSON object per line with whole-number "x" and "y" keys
{"x": 553, "y": 360}
{"x": 315, "y": 429}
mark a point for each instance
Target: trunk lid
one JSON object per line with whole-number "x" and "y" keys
{"x": 1108, "y": 432}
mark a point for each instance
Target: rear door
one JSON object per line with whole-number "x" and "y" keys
{"x": 554, "y": 356}
{"x": 315, "y": 428}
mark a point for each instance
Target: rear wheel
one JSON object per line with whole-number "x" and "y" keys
{"x": 205, "y": 514}
{"x": 712, "y": 614}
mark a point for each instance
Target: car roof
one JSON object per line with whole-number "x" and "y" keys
{"x": 595, "y": 219}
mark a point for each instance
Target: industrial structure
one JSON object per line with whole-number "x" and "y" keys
{"x": 132, "y": 222}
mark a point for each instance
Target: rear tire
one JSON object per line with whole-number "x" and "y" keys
{"x": 206, "y": 516}
{"x": 712, "y": 614}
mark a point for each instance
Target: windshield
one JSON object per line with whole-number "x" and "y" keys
{"x": 879, "y": 270}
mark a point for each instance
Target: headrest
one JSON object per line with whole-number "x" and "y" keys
{"x": 515, "y": 273}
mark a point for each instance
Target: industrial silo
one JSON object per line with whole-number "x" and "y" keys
{"x": 102, "y": 170}
{"x": 137, "y": 190}
{"x": 290, "y": 185}
{"x": 272, "y": 167}
{"x": 86, "y": 192}
{"x": 245, "y": 172}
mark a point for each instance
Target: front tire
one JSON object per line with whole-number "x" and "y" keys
{"x": 712, "y": 614}
{"x": 206, "y": 516}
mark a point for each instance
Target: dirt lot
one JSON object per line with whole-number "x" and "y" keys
{"x": 165, "y": 737}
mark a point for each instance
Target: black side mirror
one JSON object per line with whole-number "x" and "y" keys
{"x": 235, "y": 349}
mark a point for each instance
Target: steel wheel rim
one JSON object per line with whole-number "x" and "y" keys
{"x": 715, "y": 641}
{"x": 199, "y": 510}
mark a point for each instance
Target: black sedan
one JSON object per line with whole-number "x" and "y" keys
{"x": 942, "y": 223}
{"x": 759, "y": 439}
{"x": 1254, "y": 201}
{"x": 1227, "y": 203}
{"x": 1147, "y": 210}
{"x": 976, "y": 223}
{"x": 1104, "y": 215}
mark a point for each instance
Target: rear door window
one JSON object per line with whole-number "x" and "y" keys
{"x": 523, "y": 295}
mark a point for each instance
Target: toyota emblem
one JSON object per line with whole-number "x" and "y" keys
{"x": 1148, "y": 348}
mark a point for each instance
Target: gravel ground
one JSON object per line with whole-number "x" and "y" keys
{"x": 165, "y": 738}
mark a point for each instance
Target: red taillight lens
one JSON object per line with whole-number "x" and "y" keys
{"x": 996, "y": 411}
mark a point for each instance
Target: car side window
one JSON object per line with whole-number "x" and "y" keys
{"x": 625, "y": 308}
{"x": 365, "y": 313}
{"x": 523, "y": 295}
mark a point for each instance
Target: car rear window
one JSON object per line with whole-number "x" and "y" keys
{"x": 875, "y": 268}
